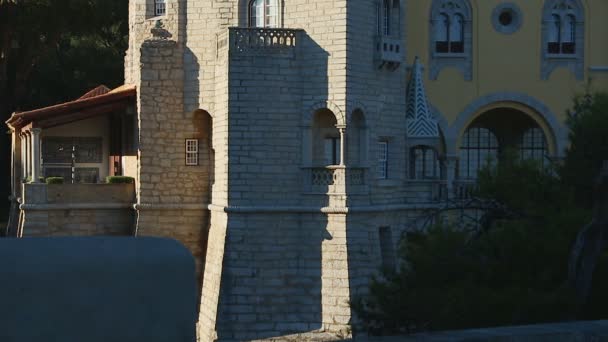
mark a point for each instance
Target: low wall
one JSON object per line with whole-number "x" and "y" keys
{"x": 76, "y": 210}
{"x": 587, "y": 331}
{"x": 97, "y": 289}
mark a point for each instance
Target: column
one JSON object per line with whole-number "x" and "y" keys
{"x": 36, "y": 155}
{"x": 28, "y": 155}
{"x": 342, "y": 143}
{"x": 451, "y": 161}
{"x": 23, "y": 156}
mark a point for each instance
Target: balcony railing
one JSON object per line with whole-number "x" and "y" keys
{"x": 389, "y": 50}
{"x": 333, "y": 179}
{"x": 464, "y": 188}
{"x": 258, "y": 40}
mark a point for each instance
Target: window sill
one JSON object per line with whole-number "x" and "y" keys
{"x": 570, "y": 56}
{"x": 449, "y": 55}
{"x": 388, "y": 183}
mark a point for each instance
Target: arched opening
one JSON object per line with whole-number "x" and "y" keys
{"x": 203, "y": 136}
{"x": 326, "y": 139}
{"x": 491, "y": 134}
{"x": 357, "y": 139}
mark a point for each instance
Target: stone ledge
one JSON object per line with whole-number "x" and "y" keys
{"x": 591, "y": 331}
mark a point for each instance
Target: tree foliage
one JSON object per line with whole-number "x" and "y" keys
{"x": 53, "y": 51}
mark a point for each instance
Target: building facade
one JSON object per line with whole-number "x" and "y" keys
{"x": 290, "y": 144}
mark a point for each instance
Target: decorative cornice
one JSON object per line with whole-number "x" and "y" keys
{"x": 170, "y": 206}
{"x": 323, "y": 210}
{"x": 75, "y": 206}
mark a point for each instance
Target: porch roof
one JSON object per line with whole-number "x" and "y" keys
{"x": 98, "y": 101}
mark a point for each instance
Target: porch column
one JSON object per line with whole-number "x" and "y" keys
{"x": 451, "y": 161}
{"x": 342, "y": 130}
{"x": 36, "y": 155}
{"x": 28, "y": 155}
{"x": 23, "y": 156}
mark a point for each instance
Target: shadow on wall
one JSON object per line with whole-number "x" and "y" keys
{"x": 96, "y": 289}
{"x": 272, "y": 267}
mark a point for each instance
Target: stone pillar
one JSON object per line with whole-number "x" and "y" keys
{"x": 342, "y": 130}
{"x": 23, "y": 139}
{"x": 36, "y": 155}
{"x": 28, "y": 155}
{"x": 451, "y": 161}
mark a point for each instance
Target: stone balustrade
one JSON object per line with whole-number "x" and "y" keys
{"x": 389, "y": 50}
{"x": 332, "y": 179}
{"x": 464, "y": 188}
{"x": 258, "y": 40}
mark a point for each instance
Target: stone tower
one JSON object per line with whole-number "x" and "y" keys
{"x": 297, "y": 107}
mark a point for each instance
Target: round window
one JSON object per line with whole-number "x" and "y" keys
{"x": 506, "y": 18}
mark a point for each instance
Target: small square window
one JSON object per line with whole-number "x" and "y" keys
{"x": 160, "y": 7}
{"x": 191, "y": 152}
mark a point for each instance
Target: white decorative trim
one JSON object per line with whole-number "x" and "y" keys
{"x": 574, "y": 62}
{"x": 598, "y": 68}
{"x": 461, "y": 61}
{"x": 170, "y": 206}
{"x": 75, "y": 206}
{"x": 322, "y": 210}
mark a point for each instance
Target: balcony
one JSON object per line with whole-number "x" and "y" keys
{"x": 258, "y": 41}
{"x": 464, "y": 188}
{"x": 389, "y": 52}
{"x": 334, "y": 179}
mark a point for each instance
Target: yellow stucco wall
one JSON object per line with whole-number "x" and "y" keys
{"x": 509, "y": 62}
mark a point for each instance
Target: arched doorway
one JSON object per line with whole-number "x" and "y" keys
{"x": 492, "y": 133}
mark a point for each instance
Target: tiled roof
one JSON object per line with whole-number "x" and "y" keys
{"x": 98, "y": 101}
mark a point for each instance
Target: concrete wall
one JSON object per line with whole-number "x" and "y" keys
{"x": 96, "y": 289}
{"x": 76, "y": 210}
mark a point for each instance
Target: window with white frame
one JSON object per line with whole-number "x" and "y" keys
{"x": 264, "y": 13}
{"x": 191, "y": 152}
{"x": 533, "y": 145}
{"x": 563, "y": 37}
{"x": 332, "y": 151}
{"x": 424, "y": 163}
{"x": 160, "y": 7}
{"x": 450, "y": 36}
{"x": 479, "y": 148}
{"x": 382, "y": 159}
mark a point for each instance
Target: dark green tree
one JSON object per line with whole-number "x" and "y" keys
{"x": 53, "y": 51}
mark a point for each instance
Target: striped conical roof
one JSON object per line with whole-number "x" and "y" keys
{"x": 420, "y": 123}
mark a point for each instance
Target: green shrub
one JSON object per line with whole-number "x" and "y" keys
{"x": 513, "y": 272}
{"x": 54, "y": 180}
{"x": 120, "y": 180}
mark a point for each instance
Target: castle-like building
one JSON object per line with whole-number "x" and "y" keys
{"x": 289, "y": 144}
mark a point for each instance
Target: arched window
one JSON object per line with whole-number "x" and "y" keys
{"x": 451, "y": 33}
{"x": 533, "y": 145}
{"x": 457, "y": 34}
{"x": 563, "y": 34}
{"x": 442, "y": 34}
{"x": 263, "y": 13}
{"x": 424, "y": 163}
{"x": 479, "y": 147}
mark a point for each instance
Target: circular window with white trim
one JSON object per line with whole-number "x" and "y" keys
{"x": 507, "y": 18}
